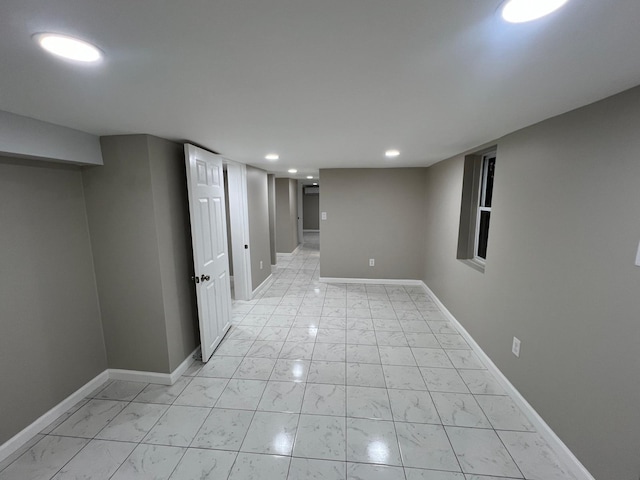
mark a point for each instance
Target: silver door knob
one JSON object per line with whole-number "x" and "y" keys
{"x": 204, "y": 277}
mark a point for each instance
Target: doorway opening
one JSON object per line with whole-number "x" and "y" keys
{"x": 310, "y": 221}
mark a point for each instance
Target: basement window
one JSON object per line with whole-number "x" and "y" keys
{"x": 475, "y": 213}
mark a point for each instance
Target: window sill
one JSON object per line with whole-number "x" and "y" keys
{"x": 473, "y": 263}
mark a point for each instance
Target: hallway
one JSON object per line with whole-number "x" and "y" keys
{"x": 313, "y": 381}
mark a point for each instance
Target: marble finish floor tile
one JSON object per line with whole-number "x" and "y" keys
{"x": 290, "y": 370}
{"x": 283, "y": 397}
{"x": 413, "y": 406}
{"x": 503, "y": 413}
{"x": 327, "y": 372}
{"x": 44, "y": 459}
{"x": 460, "y": 410}
{"x": 363, "y": 471}
{"x": 254, "y": 368}
{"x": 163, "y": 394}
{"x": 403, "y": 377}
{"x": 271, "y": 433}
{"x": 365, "y": 375}
{"x": 177, "y": 426}
{"x": 443, "y": 380}
{"x": 321, "y": 437}
{"x": 202, "y": 392}
{"x": 133, "y": 422}
{"x": 422, "y": 474}
{"x": 330, "y": 352}
{"x": 223, "y": 429}
{"x": 202, "y": 464}
{"x": 251, "y": 466}
{"x": 431, "y": 357}
{"x": 363, "y": 354}
{"x": 372, "y": 441}
{"x": 312, "y": 469}
{"x": 465, "y": 359}
{"x": 100, "y": 457}
{"x": 242, "y": 394}
{"x": 90, "y": 418}
{"x": 534, "y": 457}
{"x": 481, "y": 452}
{"x": 324, "y": 399}
{"x": 426, "y": 446}
{"x": 121, "y": 390}
{"x": 482, "y": 382}
{"x": 220, "y": 367}
{"x": 297, "y": 351}
{"x": 368, "y": 402}
{"x": 149, "y": 461}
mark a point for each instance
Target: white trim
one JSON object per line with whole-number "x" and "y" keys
{"x": 290, "y": 254}
{"x": 27, "y": 433}
{"x": 310, "y": 230}
{"x": 372, "y": 281}
{"x": 153, "y": 377}
{"x": 556, "y": 444}
{"x": 239, "y": 227}
{"x": 263, "y": 286}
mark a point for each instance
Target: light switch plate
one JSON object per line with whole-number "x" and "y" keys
{"x": 638, "y": 256}
{"x": 324, "y": 215}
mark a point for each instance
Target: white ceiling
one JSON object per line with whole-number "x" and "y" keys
{"x": 325, "y": 83}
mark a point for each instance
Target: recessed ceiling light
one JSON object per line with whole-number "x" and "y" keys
{"x": 309, "y": 177}
{"x": 292, "y": 170}
{"x": 315, "y": 184}
{"x": 272, "y": 156}
{"x": 519, "y": 11}
{"x": 392, "y": 153}
{"x": 68, "y": 47}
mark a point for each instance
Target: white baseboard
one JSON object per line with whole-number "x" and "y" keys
{"x": 263, "y": 286}
{"x": 557, "y": 445}
{"x": 153, "y": 377}
{"x": 290, "y": 254}
{"x": 26, "y": 434}
{"x": 310, "y": 231}
{"x": 372, "y": 281}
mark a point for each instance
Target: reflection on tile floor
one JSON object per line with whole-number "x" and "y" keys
{"x": 313, "y": 381}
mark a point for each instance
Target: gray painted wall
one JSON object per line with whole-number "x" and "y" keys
{"x": 559, "y": 274}
{"x": 27, "y": 137}
{"x": 311, "y": 212}
{"x": 141, "y": 246}
{"x": 372, "y": 213}
{"x": 173, "y": 228}
{"x": 286, "y": 215}
{"x": 271, "y": 184}
{"x": 260, "y": 244}
{"x": 51, "y": 340}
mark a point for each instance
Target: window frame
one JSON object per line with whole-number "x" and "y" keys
{"x": 473, "y": 193}
{"x": 481, "y": 205}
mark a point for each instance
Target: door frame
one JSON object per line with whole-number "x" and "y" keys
{"x": 239, "y": 228}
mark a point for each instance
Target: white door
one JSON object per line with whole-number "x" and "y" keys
{"x": 205, "y": 183}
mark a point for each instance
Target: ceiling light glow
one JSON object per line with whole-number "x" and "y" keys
{"x": 309, "y": 177}
{"x": 292, "y": 170}
{"x": 392, "y": 153}
{"x": 315, "y": 184}
{"x": 272, "y": 156}
{"x": 68, "y": 47}
{"x": 520, "y": 11}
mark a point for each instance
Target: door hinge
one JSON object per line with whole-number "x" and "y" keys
{"x": 195, "y": 279}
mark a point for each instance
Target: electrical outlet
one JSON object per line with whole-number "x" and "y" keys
{"x": 261, "y": 265}
{"x": 515, "y": 348}
{"x": 372, "y": 262}
{"x": 324, "y": 215}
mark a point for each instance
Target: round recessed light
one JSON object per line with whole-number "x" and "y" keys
{"x": 315, "y": 184}
{"x": 68, "y": 47}
{"x": 292, "y": 170}
{"x": 392, "y": 153}
{"x": 309, "y": 177}
{"x": 520, "y": 11}
{"x": 272, "y": 156}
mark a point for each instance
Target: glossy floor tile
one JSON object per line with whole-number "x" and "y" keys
{"x": 313, "y": 381}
